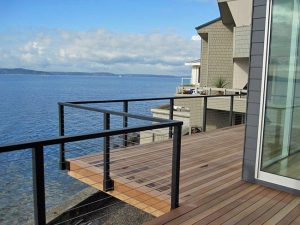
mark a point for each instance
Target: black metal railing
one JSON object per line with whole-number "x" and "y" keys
{"x": 171, "y": 100}
{"x": 108, "y": 182}
{"x": 38, "y": 155}
{"x": 174, "y": 131}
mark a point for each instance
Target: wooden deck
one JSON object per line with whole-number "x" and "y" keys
{"x": 211, "y": 190}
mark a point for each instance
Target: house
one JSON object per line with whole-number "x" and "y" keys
{"x": 271, "y": 154}
{"x": 225, "y": 51}
{"x": 225, "y": 44}
{"x": 225, "y": 47}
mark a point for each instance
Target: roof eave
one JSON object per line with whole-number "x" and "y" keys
{"x": 208, "y": 23}
{"x": 225, "y": 12}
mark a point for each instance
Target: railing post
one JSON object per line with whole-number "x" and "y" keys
{"x": 176, "y": 167}
{"x": 125, "y": 123}
{"x": 61, "y": 119}
{"x": 38, "y": 185}
{"x": 108, "y": 183}
{"x": 204, "y": 119}
{"x": 231, "y": 111}
{"x": 171, "y": 115}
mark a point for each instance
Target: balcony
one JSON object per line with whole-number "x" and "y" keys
{"x": 192, "y": 179}
{"x": 142, "y": 173}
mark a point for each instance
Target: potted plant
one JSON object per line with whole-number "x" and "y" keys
{"x": 220, "y": 83}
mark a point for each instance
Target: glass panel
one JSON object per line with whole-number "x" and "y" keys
{"x": 281, "y": 146}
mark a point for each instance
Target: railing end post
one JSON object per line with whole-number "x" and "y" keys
{"x": 61, "y": 119}
{"x": 125, "y": 123}
{"x": 64, "y": 165}
{"x": 176, "y": 166}
{"x": 108, "y": 185}
{"x": 38, "y": 178}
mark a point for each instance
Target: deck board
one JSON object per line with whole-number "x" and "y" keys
{"x": 211, "y": 190}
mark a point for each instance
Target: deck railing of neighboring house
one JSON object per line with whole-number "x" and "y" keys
{"x": 106, "y": 134}
{"x": 196, "y": 89}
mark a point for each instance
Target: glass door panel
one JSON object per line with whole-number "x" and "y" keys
{"x": 281, "y": 140}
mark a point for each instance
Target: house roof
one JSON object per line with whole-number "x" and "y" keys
{"x": 225, "y": 12}
{"x": 208, "y": 23}
{"x": 225, "y": 15}
{"x": 194, "y": 63}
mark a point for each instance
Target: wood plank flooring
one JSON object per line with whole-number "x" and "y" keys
{"x": 211, "y": 190}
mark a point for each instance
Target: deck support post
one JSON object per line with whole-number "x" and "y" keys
{"x": 176, "y": 167}
{"x": 231, "y": 111}
{"x": 108, "y": 183}
{"x": 125, "y": 123}
{"x": 204, "y": 114}
{"x": 61, "y": 125}
{"x": 38, "y": 185}
{"x": 171, "y": 115}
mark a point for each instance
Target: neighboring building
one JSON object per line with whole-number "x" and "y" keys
{"x": 225, "y": 45}
{"x": 272, "y": 144}
{"x": 225, "y": 51}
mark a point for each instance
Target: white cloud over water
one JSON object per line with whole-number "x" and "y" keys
{"x": 100, "y": 50}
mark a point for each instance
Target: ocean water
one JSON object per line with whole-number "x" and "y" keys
{"x": 28, "y": 110}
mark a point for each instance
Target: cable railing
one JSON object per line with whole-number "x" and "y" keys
{"x": 102, "y": 144}
{"x": 39, "y": 145}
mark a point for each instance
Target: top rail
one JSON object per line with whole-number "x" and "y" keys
{"x": 150, "y": 99}
{"x": 129, "y": 115}
{"x": 74, "y": 138}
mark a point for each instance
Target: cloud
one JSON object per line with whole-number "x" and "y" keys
{"x": 196, "y": 38}
{"x": 101, "y": 50}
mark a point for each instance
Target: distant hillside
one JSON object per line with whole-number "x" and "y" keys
{"x": 21, "y": 71}
{"x": 37, "y": 72}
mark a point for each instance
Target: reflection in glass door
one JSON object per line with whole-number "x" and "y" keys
{"x": 281, "y": 136}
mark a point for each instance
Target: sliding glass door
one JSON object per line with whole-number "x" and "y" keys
{"x": 281, "y": 131}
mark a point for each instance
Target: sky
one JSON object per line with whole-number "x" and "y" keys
{"x": 118, "y": 36}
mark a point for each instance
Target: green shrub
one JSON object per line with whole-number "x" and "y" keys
{"x": 221, "y": 83}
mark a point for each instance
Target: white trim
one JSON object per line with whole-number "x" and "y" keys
{"x": 279, "y": 180}
{"x": 193, "y": 64}
{"x": 263, "y": 88}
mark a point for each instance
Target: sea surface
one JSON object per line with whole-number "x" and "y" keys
{"x": 29, "y": 111}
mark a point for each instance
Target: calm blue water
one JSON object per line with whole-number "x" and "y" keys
{"x": 28, "y": 110}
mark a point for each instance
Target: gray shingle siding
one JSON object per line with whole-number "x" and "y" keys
{"x": 254, "y": 88}
{"x": 259, "y": 23}
{"x": 216, "y": 53}
{"x": 242, "y": 42}
{"x": 257, "y": 48}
